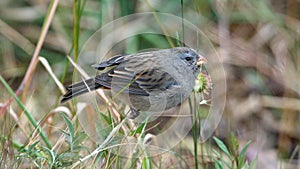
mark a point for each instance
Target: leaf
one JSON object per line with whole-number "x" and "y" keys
{"x": 253, "y": 163}
{"x": 218, "y": 165}
{"x": 146, "y": 163}
{"x": 223, "y": 147}
{"x": 32, "y": 146}
{"x": 139, "y": 129}
{"x": 79, "y": 138}
{"x": 71, "y": 130}
{"x": 221, "y": 159}
{"x": 245, "y": 166}
{"x": 234, "y": 143}
{"x": 52, "y": 155}
{"x": 69, "y": 124}
{"x": 106, "y": 118}
{"x": 217, "y": 153}
{"x": 243, "y": 152}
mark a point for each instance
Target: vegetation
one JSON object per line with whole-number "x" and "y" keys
{"x": 46, "y": 45}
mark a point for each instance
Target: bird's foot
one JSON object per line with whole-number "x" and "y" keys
{"x": 133, "y": 113}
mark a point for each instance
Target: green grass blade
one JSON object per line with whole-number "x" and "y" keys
{"x": 28, "y": 115}
{"x": 223, "y": 147}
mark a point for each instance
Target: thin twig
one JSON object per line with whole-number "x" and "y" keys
{"x": 28, "y": 76}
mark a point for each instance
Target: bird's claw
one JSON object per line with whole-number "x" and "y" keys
{"x": 133, "y": 113}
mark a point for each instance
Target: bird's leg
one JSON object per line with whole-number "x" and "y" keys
{"x": 134, "y": 113}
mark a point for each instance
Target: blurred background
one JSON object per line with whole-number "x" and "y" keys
{"x": 258, "y": 43}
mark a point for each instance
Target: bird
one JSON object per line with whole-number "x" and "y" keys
{"x": 152, "y": 81}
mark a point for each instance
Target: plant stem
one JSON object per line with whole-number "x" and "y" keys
{"x": 28, "y": 115}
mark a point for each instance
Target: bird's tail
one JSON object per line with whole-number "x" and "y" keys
{"x": 80, "y": 88}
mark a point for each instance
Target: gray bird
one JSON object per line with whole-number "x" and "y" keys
{"x": 151, "y": 81}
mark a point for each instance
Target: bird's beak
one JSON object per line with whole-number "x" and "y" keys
{"x": 201, "y": 60}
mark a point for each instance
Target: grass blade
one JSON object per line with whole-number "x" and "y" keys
{"x": 28, "y": 115}
{"x": 223, "y": 147}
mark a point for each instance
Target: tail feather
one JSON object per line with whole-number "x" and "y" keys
{"x": 79, "y": 88}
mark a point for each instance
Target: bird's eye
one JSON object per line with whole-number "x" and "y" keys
{"x": 188, "y": 58}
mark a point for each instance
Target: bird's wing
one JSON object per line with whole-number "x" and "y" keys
{"x": 116, "y": 60}
{"x": 135, "y": 76}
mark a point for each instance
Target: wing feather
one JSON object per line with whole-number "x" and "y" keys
{"x": 133, "y": 75}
